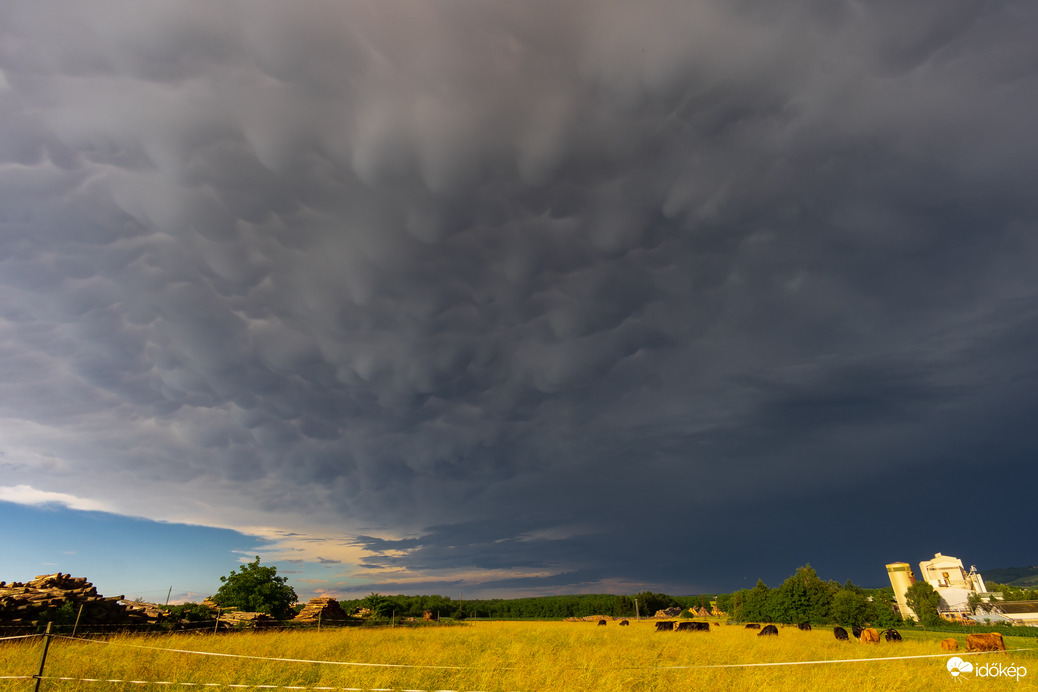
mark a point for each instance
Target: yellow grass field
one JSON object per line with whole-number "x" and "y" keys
{"x": 501, "y": 656}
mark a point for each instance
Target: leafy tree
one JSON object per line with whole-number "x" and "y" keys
{"x": 850, "y": 607}
{"x": 189, "y": 612}
{"x": 793, "y": 602}
{"x": 851, "y": 586}
{"x": 649, "y": 602}
{"x": 755, "y": 605}
{"x": 256, "y": 589}
{"x": 924, "y": 601}
{"x": 380, "y": 606}
{"x": 883, "y": 611}
{"x": 725, "y": 603}
{"x": 1013, "y": 593}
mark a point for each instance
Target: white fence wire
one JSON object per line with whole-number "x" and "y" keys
{"x": 177, "y": 683}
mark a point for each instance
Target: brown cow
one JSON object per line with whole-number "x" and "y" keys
{"x": 985, "y": 642}
{"x": 601, "y": 623}
{"x": 624, "y": 623}
{"x": 949, "y": 644}
{"x": 869, "y": 636}
{"x": 665, "y": 626}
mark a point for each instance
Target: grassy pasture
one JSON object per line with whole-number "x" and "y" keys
{"x": 499, "y": 656}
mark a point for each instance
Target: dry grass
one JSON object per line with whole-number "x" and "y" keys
{"x": 523, "y": 656}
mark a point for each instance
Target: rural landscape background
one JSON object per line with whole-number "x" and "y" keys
{"x": 407, "y": 643}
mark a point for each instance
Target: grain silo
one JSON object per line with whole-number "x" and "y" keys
{"x": 901, "y": 577}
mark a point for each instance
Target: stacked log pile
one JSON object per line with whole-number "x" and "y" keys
{"x": 26, "y": 604}
{"x": 589, "y": 618}
{"x": 668, "y": 613}
{"x": 324, "y": 609}
{"x": 240, "y": 619}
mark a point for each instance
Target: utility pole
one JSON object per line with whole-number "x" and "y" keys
{"x": 169, "y": 593}
{"x": 636, "y": 615}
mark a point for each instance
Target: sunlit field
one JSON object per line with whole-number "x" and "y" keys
{"x": 519, "y": 656}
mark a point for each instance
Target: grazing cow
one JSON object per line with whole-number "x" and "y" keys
{"x": 949, "y": 644}
{"x": 985, "y": 642}
{"x": 693, "y": 627}
{"x": 805, "y": 626}
{"x": 768, "y": 630}
{"x": 753, "y": 626}
{"x": 892, "y": 636}
{"x": 856, "y": 631}
{"x": 869, "y": 636}
{"x": 666, "y": 626}
{"x": 840, "y": 633}
{"x": 601, "y": 623}
{"x": 624, "y": 623}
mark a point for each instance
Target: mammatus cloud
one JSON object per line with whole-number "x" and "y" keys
{"x": 422, "y": 289}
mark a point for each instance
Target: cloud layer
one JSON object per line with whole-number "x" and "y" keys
{"x": 525, "y": 291}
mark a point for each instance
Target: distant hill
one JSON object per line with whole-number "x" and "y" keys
{"x": 1013, "y": 576}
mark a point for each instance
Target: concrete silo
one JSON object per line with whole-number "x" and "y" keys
{"x": 901, "y": 577}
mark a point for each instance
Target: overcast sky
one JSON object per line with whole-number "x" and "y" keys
{"x": 523, "y": 297}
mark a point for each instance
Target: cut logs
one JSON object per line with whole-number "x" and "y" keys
{"x": 24, "y": 605}
{"x": 323, "y": 609}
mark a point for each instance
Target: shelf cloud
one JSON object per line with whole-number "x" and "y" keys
{"x": 523, "y": 291}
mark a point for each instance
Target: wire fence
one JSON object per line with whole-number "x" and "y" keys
{"x": 49, "y": 637}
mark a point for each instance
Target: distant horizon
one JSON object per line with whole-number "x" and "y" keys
{"x": 232, "y": 558}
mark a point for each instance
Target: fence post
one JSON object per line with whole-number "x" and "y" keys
{"x": 216, "y": 627}
{"x": 318, "y": 621}
{"x": 78, "y": 615}
{"x": 43, "y": 658}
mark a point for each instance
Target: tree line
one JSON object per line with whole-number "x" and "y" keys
{"x": 802, "y": 598}
{"x": 540, "y": 607}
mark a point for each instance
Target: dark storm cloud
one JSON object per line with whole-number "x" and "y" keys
{"x": 474, "y": 275}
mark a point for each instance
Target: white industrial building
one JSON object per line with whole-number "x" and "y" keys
{"x": 950, "y": 580}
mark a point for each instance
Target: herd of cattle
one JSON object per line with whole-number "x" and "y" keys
{"x": 865, "y": 635}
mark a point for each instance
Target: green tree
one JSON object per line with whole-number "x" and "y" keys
{"x": 804, "y": 597}
{"x": 924, "y": 601}
{"x": 850, "y": 607}
{"x": 755, "y": 603}
{"x": 256, "y": 589}
{"x": 883, "y": 611}
{"x": 189, "y": 612}
{"x": 380, "y": 606}
{"x": 649, "y": 602}
{"x": 725, "y": 603}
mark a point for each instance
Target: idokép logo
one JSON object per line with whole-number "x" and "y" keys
{"x": 956, "y": 666}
